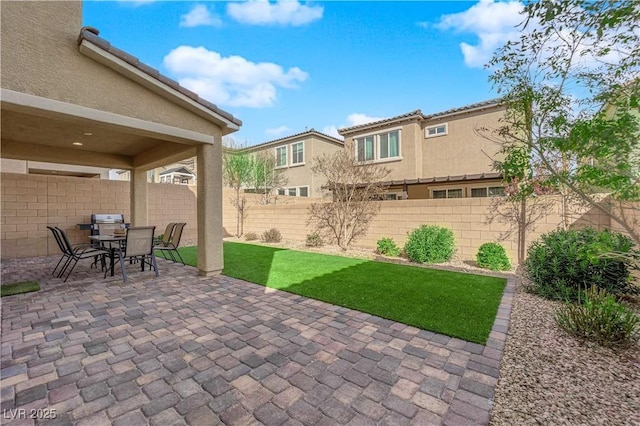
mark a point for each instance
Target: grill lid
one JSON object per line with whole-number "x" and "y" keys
{"x": 107, "y": 218}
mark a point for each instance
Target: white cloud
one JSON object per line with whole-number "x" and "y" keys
{"x": 357, "y": 119}
{"x": 332, "y": 131}
{"x": 282, "y": 12}
{"x": 277, "y": 131}
{"x": 494, "y": 23}
{"x": 231, "y": 80}
{"x": 200, "y": 15}
{"x": 354, "y": 119}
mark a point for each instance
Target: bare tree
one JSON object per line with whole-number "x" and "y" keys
{"x": 266, "y": 178}
{"x": 355, "y": 189}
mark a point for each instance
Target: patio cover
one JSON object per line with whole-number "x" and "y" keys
{"x": 70, "y": 97}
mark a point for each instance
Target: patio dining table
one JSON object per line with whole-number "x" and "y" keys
{"x": 109, "y": 242}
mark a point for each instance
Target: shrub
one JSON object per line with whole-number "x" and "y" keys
{"x": 271, "y": 236}
{"x": 388, "y": 247}
{"x": 250, "y": 236}
{"x": 492, "y": 256}
{"x": 314, "y": 240}
{"x": 562, "y": 264}
{"x": 430, "y": 244}
{"x": 600, "y": 319}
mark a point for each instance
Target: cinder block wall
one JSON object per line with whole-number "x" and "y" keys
{"x": 30, "y": 203}
{"x": 467, "y": 217}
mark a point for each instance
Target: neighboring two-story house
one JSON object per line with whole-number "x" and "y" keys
{"x": 441, "y": 155}
{"x": 294, "y": 158}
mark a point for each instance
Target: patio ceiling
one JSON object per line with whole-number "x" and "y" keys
{"x": 40, "y": 129}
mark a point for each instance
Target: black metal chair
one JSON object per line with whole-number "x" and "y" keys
{"x": 72, "y": 254}
{"x": 138, "y": 246}
{"x": 171, "y": 246}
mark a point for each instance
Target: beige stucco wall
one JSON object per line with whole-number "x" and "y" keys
{"x": 40, "y": 56}
{"x": 461, "y": 151}
{"x": 409, "y": 165}
{"x": 301, "y": 175}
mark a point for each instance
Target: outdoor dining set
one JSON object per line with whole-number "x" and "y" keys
{"x": 119, "y": 244}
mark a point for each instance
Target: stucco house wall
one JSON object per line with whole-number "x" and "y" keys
{"x": 300, "y": 175}
{"x": 460, "y": 157}
{"x": 462, "y": 150}
{"x": 55, "y": 69}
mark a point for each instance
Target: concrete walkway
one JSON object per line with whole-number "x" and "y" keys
{"x": 184, "y": 349}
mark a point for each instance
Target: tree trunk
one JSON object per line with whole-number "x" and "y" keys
{"x": 522, "y": 230}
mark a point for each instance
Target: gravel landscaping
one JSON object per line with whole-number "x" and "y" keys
{"x": 548, "y": 377}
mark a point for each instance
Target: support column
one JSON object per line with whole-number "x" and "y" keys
{"x": 210, "y": 261}
{"x": 139, "y": 201}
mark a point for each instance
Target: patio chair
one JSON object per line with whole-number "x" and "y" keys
{"x": 138, "y": 246}
{"x": 166, "y": 237}
{"x": 73, "y": 253}
{"x": 171, "y": 247}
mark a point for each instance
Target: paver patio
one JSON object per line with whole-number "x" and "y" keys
{"x": 185, "y": 349}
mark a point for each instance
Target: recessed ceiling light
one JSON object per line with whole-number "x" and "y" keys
{"x": 78, "y": 143}
{"x": 88, "y": 134}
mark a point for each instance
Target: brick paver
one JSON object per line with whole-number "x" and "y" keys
{"x": 185, "y": 349}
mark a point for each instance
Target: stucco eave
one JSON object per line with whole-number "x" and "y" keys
{"x": 109, "y": 60}
{"x": 27, "y": 103}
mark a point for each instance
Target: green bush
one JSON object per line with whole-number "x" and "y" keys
{"x": 600, "y": 319}
{"x": 562, "y": 264}
{"x": 492, "y": 256}
{"x": 314, "y": 240}
{"x": 430, "y": 244}
{"x": 250, "y": 236}
{"x": 271, "y": 236}
{"x": 388, "y": 247}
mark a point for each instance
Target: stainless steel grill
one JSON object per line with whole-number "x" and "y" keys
{"x": 104, "y": 223}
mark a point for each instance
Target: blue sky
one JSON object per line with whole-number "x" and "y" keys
{"x": 283, "y": 67}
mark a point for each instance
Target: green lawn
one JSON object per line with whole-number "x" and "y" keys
{"x": 19, "y": 288}
{"x": 451, "y": 303}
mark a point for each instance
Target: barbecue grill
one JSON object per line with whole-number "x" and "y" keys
{"x": 102, "y": 224}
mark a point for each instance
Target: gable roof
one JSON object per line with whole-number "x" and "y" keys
{"x": 171, "y": 87}
{"x": 418, "y": 115}
{"x": 183, "y": 170}
{"x": 413, "y": 115}
{"x": 311, "y": 132}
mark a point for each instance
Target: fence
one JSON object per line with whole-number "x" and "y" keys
{"x": 31, "y": 202}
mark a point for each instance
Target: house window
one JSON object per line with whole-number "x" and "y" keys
{"x": 281, "y": 156}
{"x": 390, "y": 144}
{"x": 478, "y": 192}
{"x": 433, "y": 131}
{"x": 365, "y": 149}
{"x": 295, "y": 191}
{"x": 448, "y": 193}
{"x": 297, "y": 153}
{"x": 496, "y": 191}
{"x": 383, "y": 146}
{"x": 492, "y": 191}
